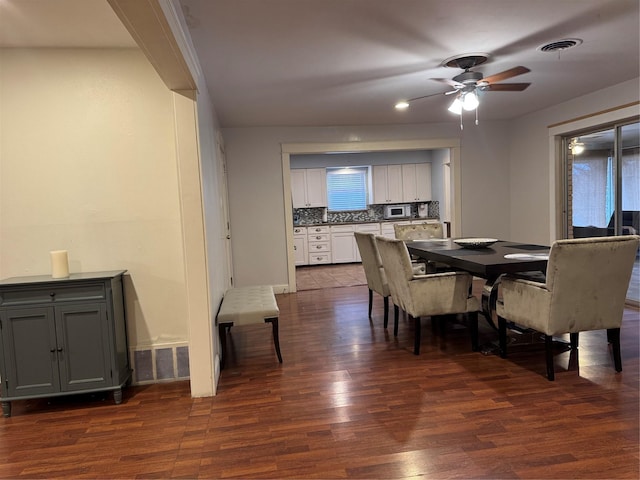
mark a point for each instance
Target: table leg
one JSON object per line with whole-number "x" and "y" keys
{"x": 490, "y": 299}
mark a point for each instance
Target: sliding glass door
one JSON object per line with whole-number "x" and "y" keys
{"x": 603, "y": 186}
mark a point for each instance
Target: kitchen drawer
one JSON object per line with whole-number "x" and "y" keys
{"x": 319, "y": 237}
{"x": 319, "y": 247}
{"x": 318, "y": 229}
{"x": 298, "y": 231}
{"x": 342, "y": 228}
{"x": 318, "y": 258}
{"x": 55, "y": 293}
{"x": 369, "y": 228}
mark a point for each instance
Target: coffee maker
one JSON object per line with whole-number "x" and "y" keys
{"x": 423, "y": 210}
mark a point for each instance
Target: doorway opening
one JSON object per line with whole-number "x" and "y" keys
{"x": 452, "y": 202}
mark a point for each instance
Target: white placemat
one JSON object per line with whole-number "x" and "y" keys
{"x": 527, "y": 256}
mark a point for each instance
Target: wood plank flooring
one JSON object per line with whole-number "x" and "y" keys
{"x": 351, "y": 401}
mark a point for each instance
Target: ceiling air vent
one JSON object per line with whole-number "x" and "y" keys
{"x": 560, "y": 45}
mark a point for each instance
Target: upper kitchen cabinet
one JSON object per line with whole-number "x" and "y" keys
{"x": 416, "y": 182}
{"x": 387, "y": 184}
{"x": 309, "y": 187}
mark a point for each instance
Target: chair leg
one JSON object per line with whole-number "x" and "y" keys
{"x": 396, "y": 314}
{"x": 370, "y": 301}
{"x": 276, "y": 336}
{"x": 614, "y": 335}
{"x": 502, "y": 336}
{"x": 472, "y": 320}
{"x": 222, "y": 332}
{"x": 574, "y": 340}
{"x": 386, "y": 312}
{"x": 548, "y": 350}
{"x": 417, "y": 336}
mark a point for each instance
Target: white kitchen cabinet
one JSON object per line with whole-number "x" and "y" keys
{"x": 319, "y": 245}
{"x": 300, "y": 254}
{"x": 343, "y": 244}
{"x": 416, "y": 182}
{"x": 309, "y": 187}
{"x": 387, "y": 184}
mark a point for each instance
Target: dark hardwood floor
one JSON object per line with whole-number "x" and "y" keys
{"x": 351, "y": 401}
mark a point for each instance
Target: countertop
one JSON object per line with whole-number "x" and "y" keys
{"x": 328, "y": 224}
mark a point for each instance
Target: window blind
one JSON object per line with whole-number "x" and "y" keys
{"x": 347, "y": 188}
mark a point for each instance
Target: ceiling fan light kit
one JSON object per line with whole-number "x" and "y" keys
{"x": 468, "y": 84}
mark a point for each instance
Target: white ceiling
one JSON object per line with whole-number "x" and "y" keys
{"x": 347, "y": 62}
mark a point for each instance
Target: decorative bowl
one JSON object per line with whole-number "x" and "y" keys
{"x": 475, "y": 242}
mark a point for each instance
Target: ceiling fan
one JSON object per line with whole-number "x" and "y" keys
{"x": 468, "y": 84}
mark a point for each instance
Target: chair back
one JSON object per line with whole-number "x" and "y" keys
{"x": 420, "y": 231}
{"x": 588, "y": 279}
{"x": 372, "y": 263}
{"x": 397, "y": 265}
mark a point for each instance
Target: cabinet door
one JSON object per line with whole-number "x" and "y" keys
{"x": 343, "y": 247}
{"x": 298, "y": 188}
{"x": 409, "y": 193}
{"x": 379, "y": 184}
{"x": 387, "y": 184}
{"x": 394, "y": 183}
{"x": 84, "y": 354}
{"x": 300, "y": 250}
{"x": 29, "y": 352}
{"x": 316, "y": 187}
{"x": 423, "y": 182}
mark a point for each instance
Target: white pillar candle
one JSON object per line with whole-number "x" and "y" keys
{"x": 59, "y": 264}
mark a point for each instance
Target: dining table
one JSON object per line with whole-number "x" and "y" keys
{"x": 489, "y": 259}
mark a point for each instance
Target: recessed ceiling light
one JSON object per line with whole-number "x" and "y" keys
{"x": 563, "y": 44}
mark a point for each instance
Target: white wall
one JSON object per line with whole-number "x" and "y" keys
{"x": 531, "y": 181}
{"x": 256, "y": 185}
{"x": 88, "y": 164}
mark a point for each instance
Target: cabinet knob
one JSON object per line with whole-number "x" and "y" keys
{"x": 52, "y": 350}
{"x": 318, "y": 247}
{"x": 52, "y": 294}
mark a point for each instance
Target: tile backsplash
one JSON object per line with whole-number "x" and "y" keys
{"x": 313, "y": 216}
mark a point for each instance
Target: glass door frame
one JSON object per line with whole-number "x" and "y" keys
{"x": 565, "y": 139}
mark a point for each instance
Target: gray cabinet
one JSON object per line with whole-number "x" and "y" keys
{"x": 62, "y": 336}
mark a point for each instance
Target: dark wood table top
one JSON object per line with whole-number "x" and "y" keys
{"x": 488, "y": 262}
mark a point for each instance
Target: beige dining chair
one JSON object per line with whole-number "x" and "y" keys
{"x": 418, "y": 231}
{"x": 373, "y": 270}
{"x": 585, "y": 289}
{"x": 422, "y": 231}
{"x": 426, "y": 295}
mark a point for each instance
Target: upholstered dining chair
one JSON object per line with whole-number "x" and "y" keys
{"x": 373, "y": 270}
{"x": 426, "y": 295}
{"x": 418, "y": 231}
{"x": 423, "y": 231}
{"x": 585, "y": 289}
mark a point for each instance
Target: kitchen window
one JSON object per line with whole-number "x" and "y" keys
{"x": 347, "y": 188}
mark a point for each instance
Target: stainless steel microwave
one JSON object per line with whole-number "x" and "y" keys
{"x": 397, "y": 211}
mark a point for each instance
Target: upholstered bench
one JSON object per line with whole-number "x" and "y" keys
{"x": 245, "y": 306}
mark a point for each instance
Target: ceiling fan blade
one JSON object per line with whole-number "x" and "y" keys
{"x": 512, "y": 72}
{"x": 427, "y": 96}
{"x": 506, "y": 87}
{"x": 449, "y": 81}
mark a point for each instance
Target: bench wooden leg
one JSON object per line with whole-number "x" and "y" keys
{"x": 222, "y": 332}
{"x": 276, "y": 335}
